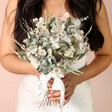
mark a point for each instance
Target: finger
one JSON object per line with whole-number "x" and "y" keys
{"x": 66, "y": 85}
{"x": 51, "y": 80}
{"x": 55, "y": 99}
{"x": 49, "y": 85}
{"x": 67, "y": 95}
{"x": 49, "y": 89}
{"x": 67, "y": 89}
{"x": 65, "y": 82}
{"x": 54, "y": 95}
{"x": 63, "y": 79}
{"x": 66, "y": 101}
{"x": 53, "y": 91}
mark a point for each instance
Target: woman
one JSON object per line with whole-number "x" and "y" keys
{"x": 78, "y": 96}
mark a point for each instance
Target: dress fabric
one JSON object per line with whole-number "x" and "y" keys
{"x": 29, "y": 99}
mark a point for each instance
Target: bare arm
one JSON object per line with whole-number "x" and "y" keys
{"x": 8, "y": 59}
{"x": 102, "y": 60}
{"x": 103, "y": 57}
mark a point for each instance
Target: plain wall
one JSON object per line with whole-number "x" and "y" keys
{"x": 102, "y": 84}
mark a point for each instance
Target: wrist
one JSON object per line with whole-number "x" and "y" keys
{"x": 80, "y": 79}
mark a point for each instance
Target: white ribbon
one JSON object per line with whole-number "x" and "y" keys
{"x": 57, "y": 85}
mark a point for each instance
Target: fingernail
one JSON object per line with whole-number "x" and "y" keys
{"x": 51, "y": 99}
{"x": 51, "y": 92}
{"x": 49, "y": 95}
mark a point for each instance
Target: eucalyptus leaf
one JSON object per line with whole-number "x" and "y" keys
{"x": 49, "y": 25}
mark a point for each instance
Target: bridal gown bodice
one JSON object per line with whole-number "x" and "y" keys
{"x": 28, "y": 98}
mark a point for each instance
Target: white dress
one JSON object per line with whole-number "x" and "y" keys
{"x": 28, "y": 98}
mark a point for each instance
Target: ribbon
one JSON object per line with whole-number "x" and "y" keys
{"x": 57, "y": 85}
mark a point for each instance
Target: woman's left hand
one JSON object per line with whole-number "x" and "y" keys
{"x": 70, "y": 81}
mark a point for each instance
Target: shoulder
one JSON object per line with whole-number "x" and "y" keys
{"x": 11, "y": 7}
{"x": 100, "y": 6}
{"x": 103, "y": 25}
{"x": 12, "y": 4}
{"x": 102, "y": 17}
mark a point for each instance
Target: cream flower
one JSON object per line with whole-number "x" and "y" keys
{"x": 35, "y": 63}
{"x": 69, "y": 52}
{"x": 35, "y": 20}
{"x": 44, "y": 30}
{"x": 63, "y": 26}
{"x": 41, "y": 19}
{"x": 56, "y": 45}
{"x": 66, "y": 14}
{"x": 78, "y": 37}
{"x": 77, "y": 23}
{"x": 82, "y": 48}
{"x": 40, "y": 47}
{"x": 33, "y": 60}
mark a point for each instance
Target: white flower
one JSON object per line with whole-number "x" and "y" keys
{"x": 63, "y": 63}
{"x": 36, "y": 30}
{"x": 81, "y": 48}
{"x": 35, "y": 20}
{"x": 63, "y": 32}
{"x": 78, "y": 37}
{"x": 33, "y": 60}
{"x": 81, "y": 32}
{"x": 77, "y": 23}
{"x": 32, "y": 48}
{"x": 32, "y": 51}
{"x": 25, "y": 41}
{"x": 42, "y": 52}
{"x": 63, "y": 26}
{"x": 67, "y": 39}
{"x": 69, "y": 52}
{"x": 52, "y": 30}
{"x": 28, "y": 54}
{"x": 35, "y": 64}
{"x": 66, "y": 14}
{"x": 56, "y": 45}
{"x": 40, "y": 47}
{"x": 41, "y": 19}
{"x": 44, "y": 30}
{"x": 72, "y": 48}
{"x": 41, "y": 23}
{"x": 44, "y": 25}
{"x": 56, "y": 72}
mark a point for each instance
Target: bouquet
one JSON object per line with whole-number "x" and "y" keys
{"x": 51, "y": 46}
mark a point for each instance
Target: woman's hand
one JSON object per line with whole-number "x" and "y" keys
{"x": 70, "y": 81}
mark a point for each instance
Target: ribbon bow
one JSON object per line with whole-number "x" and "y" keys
{"x": 57, "y": 85}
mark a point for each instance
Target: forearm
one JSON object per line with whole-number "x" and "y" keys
{"x": 98, "y": 65}
{"x": 15, "y": 65}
